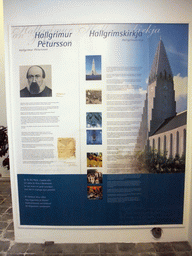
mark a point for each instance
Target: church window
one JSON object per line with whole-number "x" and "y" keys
{"x": 159, "y": 145}
{"x": 165, "y": 74}
{"x": 184, "y": 141}
{"x": 153, "y": 146}
{"x": 177, "y": 143}
{"x": 171, "y": 145}
{"x": 165, "y": 145}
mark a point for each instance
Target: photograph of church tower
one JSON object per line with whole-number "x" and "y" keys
{"x": 93, "y": 67}
{"x": 161, "y": 142}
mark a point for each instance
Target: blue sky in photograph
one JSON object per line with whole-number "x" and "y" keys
{"x": 175, "y": 39}
{"x": 89, "y": 61}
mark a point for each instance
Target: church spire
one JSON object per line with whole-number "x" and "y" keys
{"x": 93, "y": 71}
{"x": 160, "y": 67}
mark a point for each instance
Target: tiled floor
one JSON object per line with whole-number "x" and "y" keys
{"x": 9, "y": 247}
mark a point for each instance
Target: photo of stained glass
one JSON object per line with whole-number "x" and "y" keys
{"x": 93, "y": 119}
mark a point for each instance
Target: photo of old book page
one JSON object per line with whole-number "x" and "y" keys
{"x": 66, "y": 148}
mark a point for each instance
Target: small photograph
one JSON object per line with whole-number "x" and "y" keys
{"x": 95, "y": 192}
{"x": 66, "y": 148}
{"x": 94, "y": 137}
{"x": 93, "y": 96}
{"x": 93, "y": 67}
{"x": 35, "y": 81}
{"x": 94, "y": 159}
{"x": 94, "y": 176}
{"x": 93, "y": 119}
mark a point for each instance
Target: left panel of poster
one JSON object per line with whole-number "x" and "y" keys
{"x": 45, "y": 96}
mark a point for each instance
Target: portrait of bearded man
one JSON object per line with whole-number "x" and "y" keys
{"x": 36, "y": 86}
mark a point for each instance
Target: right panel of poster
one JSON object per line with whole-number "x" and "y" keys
{"x": 144, "y": 115}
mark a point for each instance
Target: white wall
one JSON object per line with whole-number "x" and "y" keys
{"x": 66, "y": 11}
{"x": 3, "y": 120}
{"x": 23, "y": 12}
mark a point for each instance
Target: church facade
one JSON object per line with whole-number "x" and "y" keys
{"x": 162, "y": 129}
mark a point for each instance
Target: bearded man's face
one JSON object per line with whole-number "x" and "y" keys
{"x": 35, "y": 79}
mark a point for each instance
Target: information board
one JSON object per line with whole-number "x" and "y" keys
{"x": 99, "y": 123}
